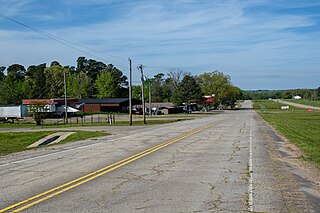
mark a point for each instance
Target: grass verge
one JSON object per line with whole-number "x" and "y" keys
{"x": 117, "y": 123}
{"x": 301, "y": 127}
{"x": 305, "y": 102}
{"x": 19, "y": 141}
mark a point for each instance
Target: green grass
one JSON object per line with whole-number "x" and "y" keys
{"x": 117, "y": 123}
{"x": 272, "y": 105}
{"x": 300, "y": 127}
{"x": 305, "y": 102}
{"x": 19, "y": 141}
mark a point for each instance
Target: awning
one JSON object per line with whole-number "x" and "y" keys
{"x": 209, "y": 100}
{"x": 69, "y": 109}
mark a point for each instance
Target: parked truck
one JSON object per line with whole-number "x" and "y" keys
{"x": 13, "y": 112}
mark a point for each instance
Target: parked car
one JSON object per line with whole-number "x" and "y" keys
{"x": 137, "y": 112}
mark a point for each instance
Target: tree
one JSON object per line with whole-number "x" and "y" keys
{"x": 2, "y": 76}
{"x": 136, "y": 92}
{"x": 92, "y": 69}
{"x": 55, "y": 81}
{"x": 17, "y": 72}
{"x": 175, "y": 76}
{"x": 13, "y": 87}
{"x": 228, "y": 95}
{"x": 188, "y": 90}
{"x": 157, "y": 87}
{"x": 110, "y": 83}
{"x": 211, "y": 83}
{"x": 35, "y": 77}
{"x": 55, "y": 63}
{"x": 78, "y": 85}
{"x": 38, "y": 110}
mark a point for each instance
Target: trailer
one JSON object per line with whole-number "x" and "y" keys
{"x": 12, "y": 112}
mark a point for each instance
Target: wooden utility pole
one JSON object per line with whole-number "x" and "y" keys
{"x": 65, "y": 99}
{"x": 150, "y": 110}
{"x": 130, "y": 93}
{"x": 142, "y": 94}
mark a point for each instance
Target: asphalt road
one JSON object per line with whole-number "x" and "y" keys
{"x": 230, "y": 162}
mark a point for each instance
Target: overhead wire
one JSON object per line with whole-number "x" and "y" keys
{"x": 66, "y": 42}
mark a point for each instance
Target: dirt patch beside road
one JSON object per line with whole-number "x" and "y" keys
{"x": 298, "y": 180}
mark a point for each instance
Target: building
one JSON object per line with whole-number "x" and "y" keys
{"x": 54, "y": 106}
{"x": 297, "y": 97}
{"x": 158, "y": 108}
{"x": 105, "y": 104}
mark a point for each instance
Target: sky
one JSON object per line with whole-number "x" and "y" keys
{"x": 260, "y": 44}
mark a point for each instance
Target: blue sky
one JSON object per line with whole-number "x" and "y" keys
{"x": 261, "y": 44}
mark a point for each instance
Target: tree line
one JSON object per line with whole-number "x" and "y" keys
{"x": 308, "y": 94}
{"x": 95, "y": 79}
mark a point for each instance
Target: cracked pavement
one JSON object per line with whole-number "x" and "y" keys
{"x": 205, "y": 172}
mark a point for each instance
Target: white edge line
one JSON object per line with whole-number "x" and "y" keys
{"x": 250, "y": 171}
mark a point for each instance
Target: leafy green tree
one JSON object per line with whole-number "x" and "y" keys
{"x": 13, "y": 87}
{"x": 136, "y": 92}
{"x": 157, "y": 87}
{"x": 2, "y": 69}
{"x": 55, "y": 63}
{"x": 38, "y": 111}
{"x": 110, "y": 83}
{"x": 78, "y": 85}
{"x": 17, "y": 72}
{"x": 13, "y": 91}
{"x": 55, "y": 81}
{"x": 228, "y": 95}
{"x": 188, "y": 90}
{"x": 212, "y": 82}
{"x": 92, "y": 69}
{"x": 36, "y": 79}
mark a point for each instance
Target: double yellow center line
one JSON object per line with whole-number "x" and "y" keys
{"x": 25, "y": 204}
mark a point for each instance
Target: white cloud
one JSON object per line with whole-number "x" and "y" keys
{"x": 183, "y": 33}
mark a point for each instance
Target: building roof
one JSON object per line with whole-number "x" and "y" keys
{"x": 159, "y": 105}
{"x": 103, "y": 100}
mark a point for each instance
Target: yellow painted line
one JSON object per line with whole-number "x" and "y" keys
{"x": 79, "y": 181}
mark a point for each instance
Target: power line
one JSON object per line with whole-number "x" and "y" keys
{"x": 66, "y": 42}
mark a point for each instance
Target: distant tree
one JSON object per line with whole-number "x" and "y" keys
{"x": 212, "y": 82}
{"x": 16, "y": 72}
{"x": 13, "y": 87}
{"x": 110, "y": 83}
{"x": 13, "y": 91}
{"x": 55, "y": 81}
{"x": 157, "y": 87}
{"x": 78, "y": 85}
{"x": 2, "y": 76}
{"x": 38, "y": 112}
{"x": 136, "y": 92}
{"x": 174, "y": 77}
{"x": 188, "y": 90}
{"x": 92, "y": 69}
{"x": 229, "y": 94}
{"x": 55, "y": 63}
{"x": 35, "y": 77}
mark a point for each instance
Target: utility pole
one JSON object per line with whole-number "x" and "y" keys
{"x": 142, "y": 94}
{"x": 65, "y": 99}
{"x": 130, "y": 93}
{"x": 150, "y": 110}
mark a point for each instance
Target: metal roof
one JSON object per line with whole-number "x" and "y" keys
{"x": 103, "y": 101}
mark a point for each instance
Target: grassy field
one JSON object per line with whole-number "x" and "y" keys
{"x": 299, "y": 126}
{"x": 272, "y": 105}
{"x": 117, "y": 123}
{"x": 305, "y": 102}
{"x": 18, "y": 141}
